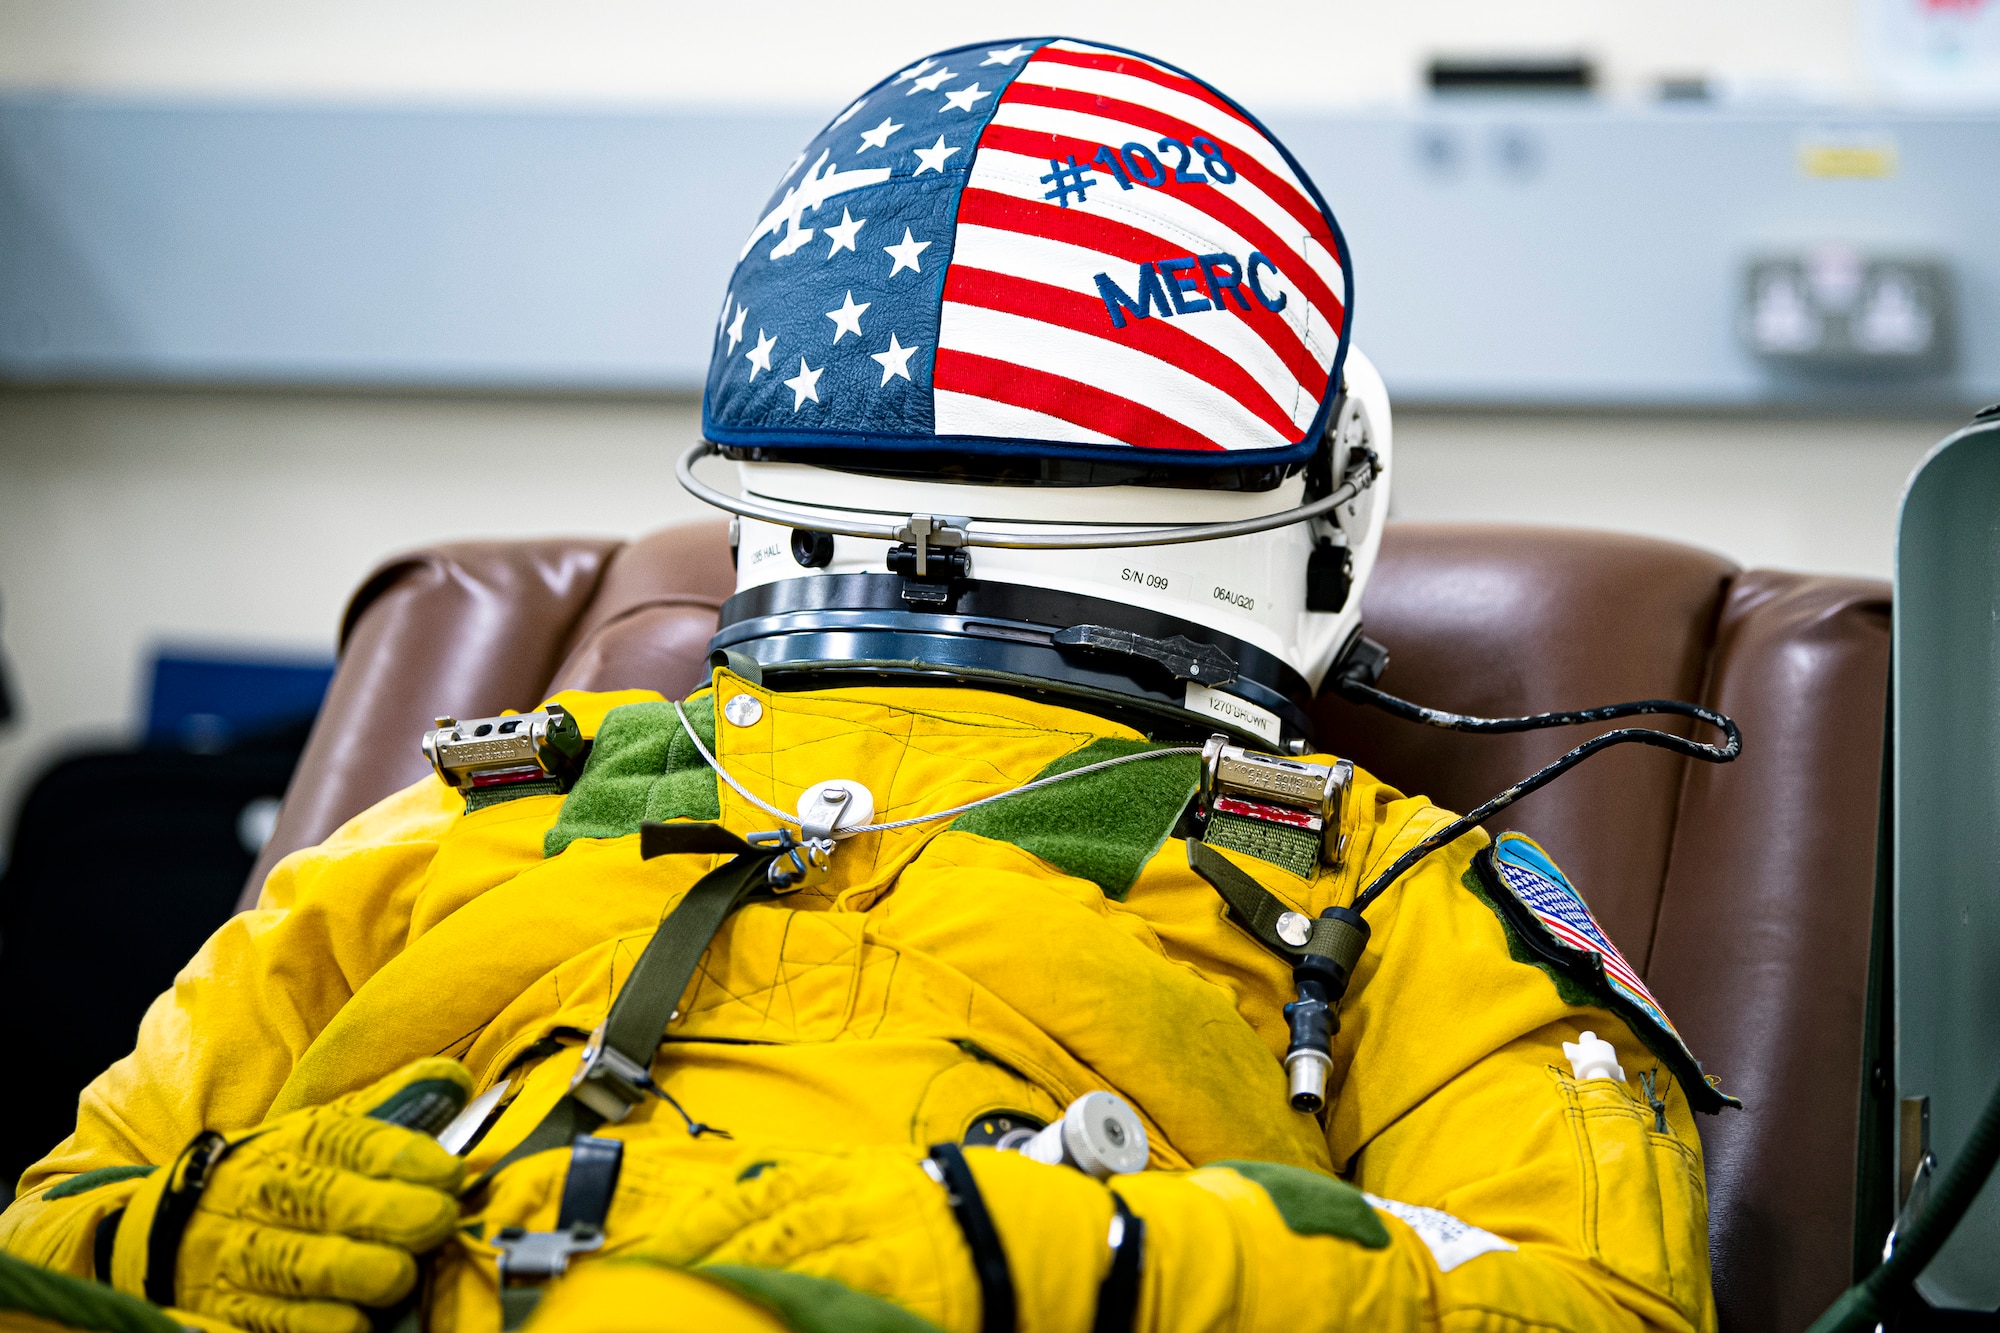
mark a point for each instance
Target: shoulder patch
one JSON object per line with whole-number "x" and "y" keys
{"x": 1544, "y": 912}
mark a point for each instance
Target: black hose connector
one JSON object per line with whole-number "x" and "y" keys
{"x": 1309, "y": 1061}
{"x": 1322, "y": 979}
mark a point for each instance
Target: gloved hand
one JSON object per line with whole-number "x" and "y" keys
{"x": 875, "y": 1221}
{"x": 290, "y": 1227}
{"x": 1211, "y": 1245}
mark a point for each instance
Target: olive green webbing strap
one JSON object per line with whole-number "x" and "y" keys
{"x": 650, "y": 995}
{"x": 559, "y": 1128}
{"x": 517, "y": 1306}
{"x": 1256, "y": 906}
{"x": 1296, "y": 849}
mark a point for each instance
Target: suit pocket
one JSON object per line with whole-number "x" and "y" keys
{"x": 1645, "y": 1208}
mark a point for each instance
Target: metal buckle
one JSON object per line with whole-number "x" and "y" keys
{"x": 506, "y": 751}
{"x": 1319, "y": 790}
{"x": 606, "y": 1081}
{"x": 539, "y": 1256}
{"x": 813, "y": 854}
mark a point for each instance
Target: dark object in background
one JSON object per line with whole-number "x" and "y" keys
{"x": 123, "y": 862}
{"x": 1564, "y": 75}
{"x": 205, "y": 703}
{"x": 6, "y": 693}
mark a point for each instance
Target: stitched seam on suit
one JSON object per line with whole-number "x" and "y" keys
{"x": 1586, "y": 1164}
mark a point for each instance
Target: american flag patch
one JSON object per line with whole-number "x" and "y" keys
{"x": 1526, "y": 871}
{"x": 1051, "y": 247}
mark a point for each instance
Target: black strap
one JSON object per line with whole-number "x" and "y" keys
{"x": 592, "y": 1180}
{"x": 996, "y": 1284}
{"x": 1118, "y": 1294}
{"x": 103, "y": 1243}
{"x": 187, "y": 1178}
{"x": 644, "y": 1004}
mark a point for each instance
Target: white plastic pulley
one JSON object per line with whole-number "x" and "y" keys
{"x": 1593, "y": 1057}
{"x": 1100, "y": 1135}
{"x": 834, "y": 808}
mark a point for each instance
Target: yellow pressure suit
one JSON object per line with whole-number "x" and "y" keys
{"x": 936, "y": 977}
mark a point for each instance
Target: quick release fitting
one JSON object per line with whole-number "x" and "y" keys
{"x": 1336, "y": 941}
{"x": 1100, "y": 1135}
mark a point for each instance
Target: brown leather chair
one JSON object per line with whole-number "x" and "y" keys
{"x": 1743, "y": 894}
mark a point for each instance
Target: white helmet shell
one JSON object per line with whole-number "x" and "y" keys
{"x": 1250, "y": 588}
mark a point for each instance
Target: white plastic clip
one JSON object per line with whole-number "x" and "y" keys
{"x": 829, "y": 810}
{"x": 1593, "y": 1057}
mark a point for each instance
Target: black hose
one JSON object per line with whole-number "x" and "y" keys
{"x": 1863, "y": 1305}
{"x": 1363, "y": 693}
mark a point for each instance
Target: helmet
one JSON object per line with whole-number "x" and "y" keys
{"x": 1062, "y": 400}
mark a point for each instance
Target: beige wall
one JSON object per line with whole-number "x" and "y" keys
{"x": 805, "y": 53}
{"x": 129, "y": 519}
{"x": 1815, "y": 494}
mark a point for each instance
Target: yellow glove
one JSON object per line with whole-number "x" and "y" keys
{"x": 1198, "y": 1248}
{"x": 877, "y": 1222}
{"x": 288, "y": 1228}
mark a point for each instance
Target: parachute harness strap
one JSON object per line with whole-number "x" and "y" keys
{"x": 1024, "y": 788}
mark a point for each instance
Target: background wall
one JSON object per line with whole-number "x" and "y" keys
{"x": 806, "y": 54}
{"x": 242, "y": 520}
{"x": 178, "y": 467}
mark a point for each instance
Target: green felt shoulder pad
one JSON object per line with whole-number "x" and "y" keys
{"x": 642, "y": 768}
{"x": 1103, "y": 827}
{"x": 817, "y": 1304}
{"x": 1315, "y": 1205}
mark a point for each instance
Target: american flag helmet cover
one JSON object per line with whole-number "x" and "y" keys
{"x": 1046, "y": 247}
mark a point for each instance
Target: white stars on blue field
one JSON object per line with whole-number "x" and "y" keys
{"x": 895, "y": 361}
{"x": 933, "y": 158}
{"x": 906, "y": 253}
{"x": 847, "y": 319}
{"x": 879, "y": 136}
{"x": 759, "y": 356}
{"x": 804, "y": 385}
{"x": 859, "y": 321}
{"x": 843, "y": 233}
{"x": 965, "y": 98}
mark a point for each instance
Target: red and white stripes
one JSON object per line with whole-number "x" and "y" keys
{"x": 1028, "y": 344}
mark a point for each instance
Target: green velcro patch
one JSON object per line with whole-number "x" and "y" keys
{"x": 1571, "y": 992}
{"x": 642, "y": 768}
{"x": 31, "y": 1290}
{"x": 1293, "y": 849}
{"x": 817, "y": 1304}
{"x": 1313, "y": 1204}
{"x": 1103, "y": 827}
{"x": 90, "y": 1180}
